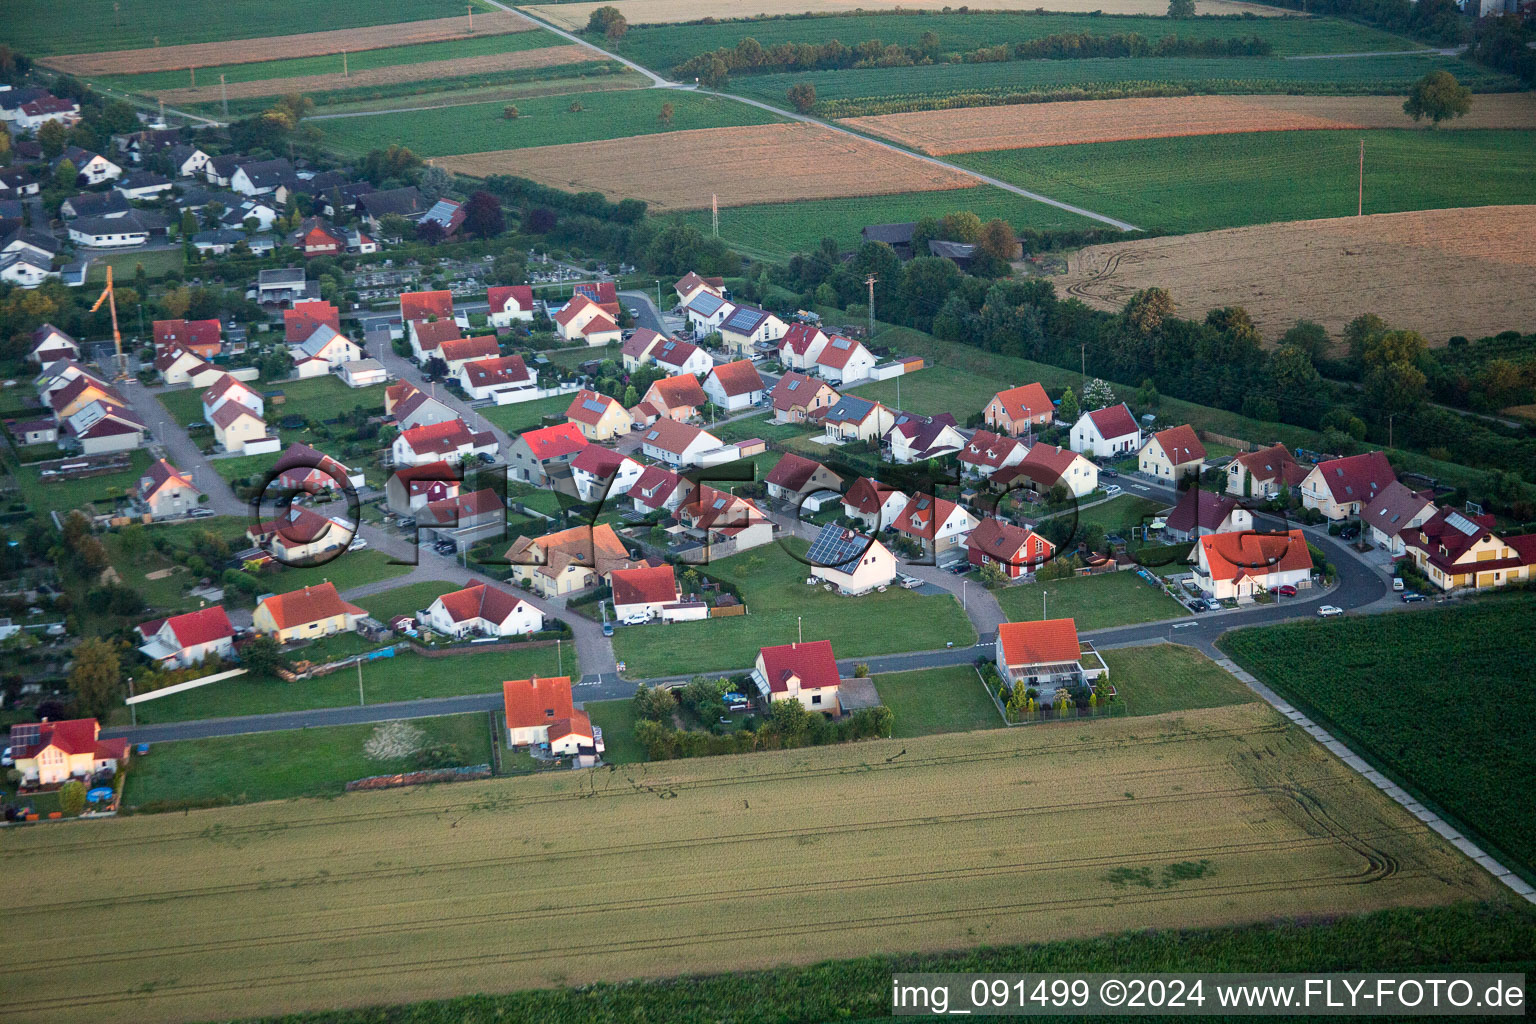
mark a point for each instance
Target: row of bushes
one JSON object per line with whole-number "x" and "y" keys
{"x": 789, "y": 725}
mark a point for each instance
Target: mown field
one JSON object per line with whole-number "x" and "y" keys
{"x": 892, "y": 90}
{"x": 1095, "y": 602}
{"x": 1405, "y": 690}
{"x": 663, "y": 47}
{"x": 777, "y": 231}
{"x": 541, "y": 121}
{"x": 33, "y": 27}
{"x": 71, "y": 494}
{"x": 920, "y": 844}
{"x": 773, "y": 588}
{"x": 285, "y": 765}
{"x": 1206, "y": 182}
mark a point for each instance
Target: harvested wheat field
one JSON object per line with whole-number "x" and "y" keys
{"x": 743, "y": 166}
{"x": 1440, "y": 272}
{"x": 1190, "y": 819}
{"x": 661, "y": 12}
{"x": 309, "y": 44}
{"x": 545, "y": 57}
{"x": 1022, "y": 126}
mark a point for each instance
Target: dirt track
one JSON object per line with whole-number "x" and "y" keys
{"x": 769, "y": 163}
{"x": 1440, "y": 272}
{"x": 1021, "y": 126}
{"x": 549, "y": 56}
{"x": 309, "y": 44}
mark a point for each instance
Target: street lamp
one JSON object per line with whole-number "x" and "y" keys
{"x": 1042, "y": 604}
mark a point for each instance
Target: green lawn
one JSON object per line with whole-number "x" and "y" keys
{"x": 319, "y": 398}
{"x": 404, "y": 677}
{"x": 70, "y": 494}
{"x": 1171, "y": 677}
{"x": 33, "y": 27}
{"x": 773, "y": 587}
{"x": 760, "y": 427}
{"x": 405, "y": 600}
{"x": 775, "y": 231}
{"x": 951, "y": 699}
{"x": 1440, "y": 700}
{"x": 935, "y": 389}
{"x": 525, "y": 416}
{"x": 1118, "y": 514}
{"x": 1095, "y": 602}
{"x": 285, "y": 765}
{"x": 617, "y": 720}
{"x": 541, "y": 121}
{"x": 156, "y": 263}
{"x": 350, "y": 569}
{"x": 134, "y": 566}
{"x": 1201, "y": 183}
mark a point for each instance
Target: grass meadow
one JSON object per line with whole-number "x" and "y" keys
{"x": 1095, "y": 602}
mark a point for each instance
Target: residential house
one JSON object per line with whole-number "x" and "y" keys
{"x": 260, "y": 177}
{"x": 464, "y": 519}
{"x": 1172, "y": 454}
{"x": 427, "y": 336}
{"x": 220, "y": 169}
{"x": 806, "y": 672}
{"x": 411, "y": 487}
{"x": 30, "y": 240}
{"x": 405, "y": 202}
{"x": 300, "y": 536}
{"x": 509, "y": 303}
{"x": 536, "y": 456}
{"x": 604, "y": 293}
{"x": 458, "y": 351}
{"x": 676, "y": 398}
{"x": 144, "y": 185}
{"x": 897, "y": 236}
{"x": 114, "y": 233}
{"x": 52, "y": 753}
{"x": 723, "y": 523}
{"x": 799, "y": 481}
{"x": 692, "y": 285}
{"x": 851, "y": 418}
{"x": 1107, "y": 433}
{"x": 540, "y": 712}
{"x": 503, "y": 376}
{"x": 451, "y": 440}
{"x": 178, "y": 366}
{"x": 184, "y": 640}
{"x": 1456, "y": 550}
{"x": 1394, "y": 512}
{"x": 940, "y": 527}
{"x": 800, "y": 346}
{"x": 1019, "y": 411}
{"x": 1264, "y": 473}
{"x": 30, "y": 432}
{"x": 914, "y": 438}
{"x": 325, "y": 348}
{"x": 640, "y": 594}
{"x": 581, "y": 319}
{"x": 1016, "y": 550}
{"x": 91, "y": 168}
{"x": 1045, "y": 466}
{"x": 188, "y": 161}
{"x": 26, "y": 269}
{"x": 676, "y": 444}
{"x": 636, "y": 351}
{"x": 104, "y": 426}
{"x": 447, "y": 215}
{"x": 314, "y": 237}
{"x": 600, "y": 473}
{"x": 302, "y": 468}
{"x": 434, "y": 305}
{"x": 747, "y": 327}
{"x": 481, "y": 609}
{"x": 679, "y": 357}
{"x": 597, "y": 416}
{"x": 797, "y": 398}
{"x": 844, "y": 361}
{"x": 362, "y": 373}
{"x": 986, "y": 453}
{"x": 658, "y": 489}
{"x": 49, "y": 345}
{"x": 734, "y": 386}
{"x": 308, "y": 614}
{"x": 79, "y": 391}
{"x": 1340, "y": 488}
{"x": 705, "y": 312}
{"x": 1046, "y": 656}
{"x": 569, "y": 560}
{"x": 850, "y": 561}
{"x": 34, "y": 114}
{"x": 412, "y": 407}
{"x": 235, "y": 426}
{"x": 1239, "y": 566}
{"x": 16, "y": 182}
{"x": 874, "y": 504}
{"x": 166, "y": 491}
{"x": 217, "y": 242}
{"x": 200, "y": 337}
{"x": 1200, "y": 513}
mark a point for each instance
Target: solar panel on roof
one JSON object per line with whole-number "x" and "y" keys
{"x": 793, "y": 384}
{"x": 1461, "y": 523}
{"x": 841, "y": 343}
{"x": 592, "y": 405}
{"x": 922, "y": 503}
{"x": 719, "y": 503}
{"x": 652, "y": 435}
{"x": 742, "y": 319}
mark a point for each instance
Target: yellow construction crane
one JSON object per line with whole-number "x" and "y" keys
{"x": 110, "y": 299}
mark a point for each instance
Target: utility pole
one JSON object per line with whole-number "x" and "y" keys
{"x": 471, "y": 9}
{"x": 359, "y": 682}
{"x": 559, "y": 659}
{"x": 714, "y": 214}
{"x": 1042, "y": 604}
{"x": 193, "y": 73}
{"x": 1360, "y": 199}
{"x": 1083, "y": 352}
{"x": 870, "y": 281}
{"x": 800, "y": 629}
{"x": 344, "y": 72}
{"x": 224, "y": 92}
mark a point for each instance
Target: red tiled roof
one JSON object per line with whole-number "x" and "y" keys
{"x": 987, "y": 449}
{"x": 1356, "y": 477}
{"x": 428, "y": 471}
{"x": 225, "y": 382}
{"x": 1047, "y": 642}
{"x": 490, "y": 372}
{"x": 1395, "y": 507}
{"x": 311, "y": 604}
{"x": 421, "y": 305}
{"x": 480, "y": 601}
{"x": 795, "y": 389}
{"x": 188, "y": 334}
{"x": 1044, "y": 464}
{"x": 1025, "y": 401}
{"x": 579, "y": 412}
{"x": 200, "y": 627}
{"x": 440, "y": 437}
{"x": 660, "y": 482}
{"x": 1199, "y": 508}
{"x": 74, "y": 736}
{"x": 792, "y": 471}
{"x": 604, "y": 293}
{"x": 483, "y": 347}
{"x": 460, "y": 507}
{"x": 678, "y": 392}
{"x": 645, "y": 585}
{"x": 431, "y": 334}
{"x": 1002, "y": 541}
{"x": 834, "y": 354}
{"x": 568, "y": 312}
{"x": 599, "y": 461}
{"x": 812, "y": 662}
{"x": 692, "y": 280}
{"x": 1181, "y": 444}
{"x": 1115, "y": 421}
{"x": 737, "y": 378}
{"x": 924, "y": 515}
{"x": 553, "y": 442}
{"x": 578, "y": 724}
{"x": 534, "y": 702}
{"x": 799, "y": 338}
{"x": 1274, "y": 463}
{"x": 1230, "y": 556}
{"x": 671, "y": 436}
{"x": 868, "y": 496}
{"x": 673, "y": 353}
{"x": 158, "y": 475}
{"x": 497, "y": 296}
{"x": 229, "y": 412}
{"x": 640, "y": 342}
{"x": 1455, "y": 532}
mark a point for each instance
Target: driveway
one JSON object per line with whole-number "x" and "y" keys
{"x": 177, "y": 447}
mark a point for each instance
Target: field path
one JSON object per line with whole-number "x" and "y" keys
{"x": 663, "y": 83}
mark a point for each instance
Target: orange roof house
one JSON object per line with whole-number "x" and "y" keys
{"x": 540, "y": 711}
{"x": 315, "y": 611}
{"x": 1046, "y": 655}
{"x": 426, "y": 305}
{"x": 1016, "y": 410}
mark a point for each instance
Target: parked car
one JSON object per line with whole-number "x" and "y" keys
{"x": 6, "y": 760}
{"x": 636, "y": 620}
{"x": 487, "y": 458}
{"x": 910, "y": 582}
{"x": 1349, "y": 532}
{"x": 1397, "y": 583}
{"x": 1285, "y": 591}
{"x": 1412, "y": 596}
{"x": 357, "y": 544}
{"x": 1109, "y": 471}
{"x": 1113, "y": 490}
{"x": 607, "y": 629}
{"x": 1328, "y": 611}
{"x": 202, "y": 513}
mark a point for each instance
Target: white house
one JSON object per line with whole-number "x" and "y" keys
{"x": 843, "y": 360}
{"x": 940, "y": 527}
{"x": 1395, "y": 510}
{"x": 642, "y": 592}
{"x": 108, "y": 233}
{"x": 874, "y": 504}
{"x": 229, "y": 389}
{"x": 26, "y": 269}
{"x": 451, "y": 441}
{"x": 326, "y": 346}
{"x": 487, "y": 378}
{"x": 800, "y": 346}
{"x": 1107, "y": 433}
{"x": 1047, "y": 465}
{"x": 705, "y": 312}
{"x": 509, "y": 303}
{"x": 676, "y": 444}
{"x": 918, "y": 438}
{"x": 734, "y": 386}
{"x": 599, "y": 472}
{"x": 184, "y": 640}
{"x": 1238, "y": 566}
{"x": 1172, "y": 454}
{"x": 747, "y": 326}
{"x": 362, "y": 373}
{"x": 486, "y": 610}
{"x": 94, "y": 168}
{"x": 852, "y": 562}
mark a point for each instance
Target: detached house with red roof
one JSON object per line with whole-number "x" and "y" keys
{"x": 1014, "y": 549}
{"x": 800, "y": 346}
{"x": 806, "y": 672}
{"x": 1172, "y": 454}
{"x": 534, "y": 457}
{"x": 802, "y": 482}
{"x": 52, "y": 753}
{"x": 844, "y": 361}
{"x": 597, "y": 416}
{"x": 676, "y": 398}
{"x": 1045, "y": 466}
{"x": 482, "y": 609}
{"x": 200, "y": 337}
{"x": 1046, "y": 656}
{"x": 691, "y": 285}
{"x": 184, "y": 640}
{"x": 873, "y": 504}
{"x": 236, "y": 425}
{"x": 581, "y": 319}
{"x": 1239, "y": 566}
{"x": 305, "y": 317}
{"x": 797, "y": 398}
{"x": 677, "y": 444}
{"x": 1340, "y": 488}
{"x": 658, "y": 489}
{"x": 452, "y": 441}
{"x": 412, "y": 407}
{"x": 306, "y": 614}
{"x": 677, "y": 357}
{"x": 436, "y": 305}
{"x": 540, "y": 712}
{"x": 723, "y": 523}
{"x": 1107, "y": 433}
{"x": 229, "y": 389}
{"x": 640, "y": 594}
{"x": 509, "y": 303}
{"x": 299, "y": 535}
{"x": 458, "y": 351}
{"x": 1201, "y": 512}
{"x": 427, "y": 336}
{"x": 503, "y": 379}
{"x": 464, "y": 519}
{"x": 568, "y": 560}
{"x": 166, "y": 491}
{"x": 1264, "y": 473}
{"x": 1457, "y": 550}
{"x": 602, "y": 473}
{"x": 940, "y": 527}
{"x": 1018, "y": 411}
{"x": 734, "y": 386}
{"x": 49, "y": 345}
{"x": 986, "y": 453}
{"x": 411, "y": 487}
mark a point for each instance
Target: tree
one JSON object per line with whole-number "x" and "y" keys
{"x": 1359, "y": 332}
{"x": 925, "y": 283}
{"x": 576, "y": 107}
{"x": 665, "y": 117}
{"x": 1181, "y": 8}
{"x": 434, "y": 183}
{"x": 1309, "y": 336}
{"x": 72, "y": 798}
{"x": 1439, "y": 97}
{"x": 998, "y": 240}
{"x": 714, "y": 74}
{"x": 962, "y": 226}
{"x": 655, "y": 703}
{"x": 1395, "y": 388}
{"x": 803, "y": 96}
{"x": 1069, "y": 410}
{"x": 263, "y": 656}
{"x": 1147, "y": 394}
{"x": 66, "y": 175}
{"x": 482, "y": 215}
{"x": 96, "y": 677}
{"x": 510, "y": 112}
{"x": 429, "y": 231}
{"x": 598, "y": 20}
{"x": 616, "y": 28}
{"x": 1147, "y": 309}
{"x": 1098, "y": 394}
{"x": 992, "y": 574}
{"x": 51, "y": 136}
{"x": 392, "y": 225}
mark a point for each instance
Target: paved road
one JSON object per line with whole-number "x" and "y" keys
{"x": 180, "y": 450}
{"x": 1446, "y": 51}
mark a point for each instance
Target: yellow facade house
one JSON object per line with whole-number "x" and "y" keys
{"x": 306, "y": 614}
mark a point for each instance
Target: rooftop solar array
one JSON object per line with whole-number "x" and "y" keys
{"x": 706, "y": 303}
{"x": 837, "y": 548}
{"x": 592, "y": 405}
{"x": 1457, "y": 521}
{"x": 744, "y": 319}
{"x": 841, "y": 343}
